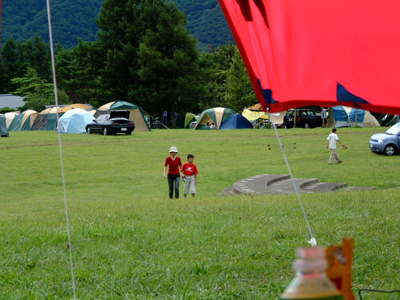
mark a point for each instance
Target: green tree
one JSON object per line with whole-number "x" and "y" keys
{"x": 119, "y": 37}
{"x": 239, "y": 90}
{"x": 217, "y": 63}
{"x": 15, "y": 59}
{"x": 169, "y": 62}
{"x": 78, "y": 73}
{"x": 10, "y": 66}
{"x": 39, "y": 92}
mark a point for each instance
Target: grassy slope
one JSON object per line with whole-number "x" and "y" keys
{"x": 131, "y": 241}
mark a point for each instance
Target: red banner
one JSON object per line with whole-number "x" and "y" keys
{"x": 320, "y": 52}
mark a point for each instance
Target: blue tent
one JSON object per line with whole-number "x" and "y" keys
{"x": 235, "y": 121}
{"x": 75, "y": 121}
{"x": 342, "y": 116}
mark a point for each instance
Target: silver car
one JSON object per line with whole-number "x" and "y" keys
{"x": 388, "y": 142}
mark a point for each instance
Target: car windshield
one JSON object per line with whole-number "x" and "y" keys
{"x": 394, "y": 129}
{"x": 103, "y": 118}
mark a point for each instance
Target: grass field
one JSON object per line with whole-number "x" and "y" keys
{"x": 129, "y": 241}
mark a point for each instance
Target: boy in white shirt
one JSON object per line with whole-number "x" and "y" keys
{"x": 332, "y": 139}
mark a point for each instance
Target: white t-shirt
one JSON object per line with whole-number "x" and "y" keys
{"x": 332, "y": 138}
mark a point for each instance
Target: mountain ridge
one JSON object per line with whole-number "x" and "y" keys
{"x": 23, "y": 19}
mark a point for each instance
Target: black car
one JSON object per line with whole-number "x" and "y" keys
{"x": 305, "y": 117}
{"x": 115, "y": 122}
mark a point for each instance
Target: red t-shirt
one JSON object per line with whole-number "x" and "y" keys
{"x": 174, "y": 164}
{"x": 189, "y": 169}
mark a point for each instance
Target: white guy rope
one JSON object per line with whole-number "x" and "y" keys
{"x": 313, "y": 241}
{"x": 60, "y": 146}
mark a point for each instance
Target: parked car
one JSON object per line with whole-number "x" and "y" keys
{"x": 388, "y": 142}
{"x": 305, "y": 117}
{"x": 115, "y": 122}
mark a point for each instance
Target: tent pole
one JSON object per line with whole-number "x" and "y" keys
{"x": 155, "y": 119}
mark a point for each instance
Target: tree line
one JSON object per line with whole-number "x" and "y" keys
{"x": 144, "y": 54}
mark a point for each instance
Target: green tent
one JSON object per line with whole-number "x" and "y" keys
{"x": 23, "y": 121}
{"x": 3, "y": 127}
{"x": 185, "y": 119}
{"x": 135, "y": 113}
{"x": 215, "y": 116}
{"x": 46, "y": 119}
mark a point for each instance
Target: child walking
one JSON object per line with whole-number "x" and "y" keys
{"x": 174, "y": 163}
{"x": 189, "y": 173}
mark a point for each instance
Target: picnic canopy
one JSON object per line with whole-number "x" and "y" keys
{"x": 235, "y": 121}
{"x": 216, "y": 115}
{"x": 135, "y": 113}
{"x": 75, "y": 121}
{"x": 185, "y": 119}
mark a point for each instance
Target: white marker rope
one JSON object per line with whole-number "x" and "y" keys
{"x": 313, "y": 241}
{"x": 60, "y": 146}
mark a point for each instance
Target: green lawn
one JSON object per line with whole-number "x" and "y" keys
{"x": 130, "y": 241}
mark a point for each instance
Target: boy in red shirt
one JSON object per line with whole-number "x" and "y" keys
{"x": 174, "y": 163}
{"x": 189, "y": 173}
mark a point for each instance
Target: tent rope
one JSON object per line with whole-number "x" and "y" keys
{"x": 60, "y": 147}
{"x": 313, "y": 241}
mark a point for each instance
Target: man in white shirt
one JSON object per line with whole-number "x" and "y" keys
{"x": 332, "y": 139}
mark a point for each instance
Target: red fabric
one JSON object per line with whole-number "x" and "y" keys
{"x": 189, "y": 169}
{"x": 320, "y": 52}
{"x": 174, "y": 165}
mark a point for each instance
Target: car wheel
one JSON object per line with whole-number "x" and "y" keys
{"x": 129, "y": 133}
{"x": 390, "y": 150}
{"x": 306, "y": 125}
{"x": 105, "y": 131}
{"x": 88, "y": 130}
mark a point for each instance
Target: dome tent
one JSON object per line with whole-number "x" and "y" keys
{"x": 75, "y": 121}
{"x": 135, "y": 113}
{"x": 10, "y": 117}
{"x": 185, "y": 119}
{"x": 46, "y": 119}
{"x": 235, "y": 121}
{"x": 216, "y": 115}
{"x": 24, "y": 121}
{"x": 3, "y": 126}
{"x": 343, "y": 116}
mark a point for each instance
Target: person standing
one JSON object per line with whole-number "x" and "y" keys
{"x": 189, "y": 173}
{"x": 173, "y": 162}
{"x": 332, "y": 139}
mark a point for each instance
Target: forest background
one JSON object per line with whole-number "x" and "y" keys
{"x": 148, "y": 52}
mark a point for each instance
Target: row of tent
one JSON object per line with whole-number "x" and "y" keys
{"x": 224, "y": 118}
{"x": 73, "y": 118}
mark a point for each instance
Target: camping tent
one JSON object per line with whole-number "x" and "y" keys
{"x": 135, "y": 113}
{"x": 343, "y": 116}
{"x": 254, "y": 115}
{"x": 215, "y": 115}
{"x": 3, "y": 126}
{"x": 23, "y": 121}
{"x": 72, "y": 106}
{"x": 185, "y": 119}
{"x": 75, "y": 121}
{"x": 46, "y": 119}
{"x": 10, "y": 117}
{"x": 235, "y": 121}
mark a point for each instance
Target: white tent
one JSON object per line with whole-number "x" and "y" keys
{"x": 75, "y": 121}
